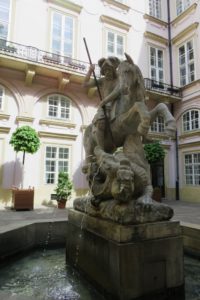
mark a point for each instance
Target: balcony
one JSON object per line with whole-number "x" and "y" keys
{"x": 162, "y": 91}
{"x": 35, "y": 56}
{"x": 26, "y": 58}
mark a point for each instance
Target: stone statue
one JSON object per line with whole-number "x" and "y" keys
{"x": 116, "y": 168}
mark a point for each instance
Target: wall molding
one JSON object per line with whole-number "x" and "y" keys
{"x": 57, "y": 123}
{"x": 184, "y": 32}
{"x": 67, "y": 4}
{"x": 45, "y": 134}
{"x": 155, "y": 37}
{"x": 117, "y": 4}
{"x": 115, "y": 22}
{"x": 155, "y": 20}
{"x": 184, "y": 14}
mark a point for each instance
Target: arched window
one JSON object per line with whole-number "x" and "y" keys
{"x": 158, "y": 124}
{"x": 191, "y": 120}
{"x": 59, "y": 107}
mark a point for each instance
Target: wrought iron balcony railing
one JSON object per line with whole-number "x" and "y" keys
{"x": 36, "y": 55}
{"x": 163, "y": 88}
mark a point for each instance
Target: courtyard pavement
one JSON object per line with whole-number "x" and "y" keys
{"x": 185, "y": 212}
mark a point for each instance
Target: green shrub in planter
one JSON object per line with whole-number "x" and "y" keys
{"x": 64, "y": 187}
{"x": 154, "y": 152}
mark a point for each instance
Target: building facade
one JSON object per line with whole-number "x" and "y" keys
{"x": 43, "y": 62}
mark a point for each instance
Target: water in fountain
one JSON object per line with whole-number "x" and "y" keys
{"x": 46, "y": 277}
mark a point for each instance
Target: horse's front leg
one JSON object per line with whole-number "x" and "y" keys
{"x": 162, "y": 109}
{"x": 141, "y": 109}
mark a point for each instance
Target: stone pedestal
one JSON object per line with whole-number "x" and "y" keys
{"x": 127, "y": 262}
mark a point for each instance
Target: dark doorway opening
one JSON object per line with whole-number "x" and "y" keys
{"x": 157, "y": 175}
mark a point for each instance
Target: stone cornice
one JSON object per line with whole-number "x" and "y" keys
{"x": 161, "y": 136}
{"x": 67, "y": 4}
{"x": 155, "y": 20}
{"x": 4, "y": 117}
{"x": 24, "y": 119}
{"x": 191, "y": 84}
{"x": 4, "y": 129}
{"x": 184, "y": 32}
{"x": 57, "y": 123}
{"x": 184, "y": 14}
{"x": 118, "y": 4}
{"x": 187, "y": 145}
{"x": 189, "y": 134}
{"x": 155, "y": 37}
{"x": 115, "y": 22}
{"x": 54, "y": 135}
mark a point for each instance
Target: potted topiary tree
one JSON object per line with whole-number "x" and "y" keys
{"x": 63, "y": 189}
{"x": 24, "y": 139}
{"x": 155, "y": 153}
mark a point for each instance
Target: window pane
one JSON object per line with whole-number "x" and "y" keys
{"x": 63, "y": 153}
{"x": 55, "y": 163}
{"x": 68, "y": 36}
{"x": 120, "y": 45}
{"x": 4, "y": 18}
{"x": 110, "y": 46}
{"x": 155, "y": 8}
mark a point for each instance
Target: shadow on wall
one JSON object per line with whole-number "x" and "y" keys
{"x": 79, "y": 181}
{"x": 12, "y": 174}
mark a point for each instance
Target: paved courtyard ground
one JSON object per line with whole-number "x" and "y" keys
{"x": 183, "y": 211}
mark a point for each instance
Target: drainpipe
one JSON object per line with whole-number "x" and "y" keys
{"x": 171, "y": 83}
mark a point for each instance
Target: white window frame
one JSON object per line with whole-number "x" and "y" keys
{"x": 116, "y": 35}
{"x": 55, "y": 163}
{"x": 157, "y": 68}
{"x": 7, "y": 22}
{"x": 191, "y": 120}
{"x": 155, "y": 9}
{"x": 181, "y": 6}
{"x": 185, "y": 63}
{"x": 192, "y": 169}
{"x": 58, "y": 110}
{"x": 158, "y": 125}
{"x": 61, "y": 51}
{"x": 2, "y": 97}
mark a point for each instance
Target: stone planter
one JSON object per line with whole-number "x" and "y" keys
{"x": 23, "y": 199}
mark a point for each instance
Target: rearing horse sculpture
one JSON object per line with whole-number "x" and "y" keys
{"x": 129, "y": 121}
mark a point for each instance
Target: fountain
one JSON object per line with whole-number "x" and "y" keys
{"x": 121, "y": 239}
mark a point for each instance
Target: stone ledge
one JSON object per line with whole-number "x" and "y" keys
{"x": 191, "y": 238}
{"x": 27, "y": 235}
{"x": 124, "y": 233}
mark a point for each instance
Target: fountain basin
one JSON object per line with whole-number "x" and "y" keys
{"x": 127, "y": 262}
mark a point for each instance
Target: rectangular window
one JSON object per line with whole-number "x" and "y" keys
{"x": 4, "y": 18}
{"x": 158, "y": 125}
{"x": 57, "y": 160}
{"x": 186, "y": 63}
{"x": 62, "y": 34}
{"x": 155, "y": 8}
{"x": 59, "y": 107}
{"x": 181, "y": 5}
{"x": 156, "y": 64}
{"x": 192, "y": 169}
{"x": 115, "y": 44}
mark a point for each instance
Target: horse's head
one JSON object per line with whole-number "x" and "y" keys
{"x": 130, "y": 76}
